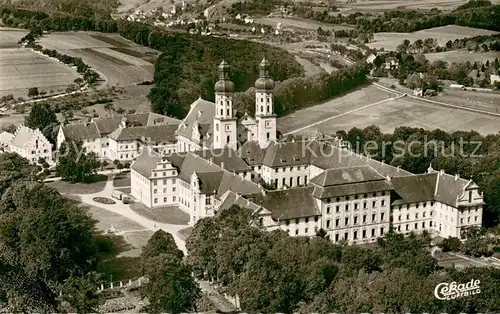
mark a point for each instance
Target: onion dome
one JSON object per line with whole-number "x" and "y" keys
{"x": 264, "y": 82}
{"x": 224, "y": 84}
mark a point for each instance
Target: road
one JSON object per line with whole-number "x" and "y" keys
{"x": 218, "y": 300}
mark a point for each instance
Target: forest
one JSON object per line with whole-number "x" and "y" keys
{"x": 272, "y": 272}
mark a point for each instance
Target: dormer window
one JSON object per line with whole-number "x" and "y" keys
{"x": 283, "y": 160}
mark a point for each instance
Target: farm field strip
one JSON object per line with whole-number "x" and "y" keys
{"x": 9, "y": 37}
{"x": 351, "y": 101}
{"x": 383, "y": 5}
{"x": 22, "y": 69}
{"x": 413, "y": 113}
{"x": 459, "y": 56}
{"x": 390, "y": 41}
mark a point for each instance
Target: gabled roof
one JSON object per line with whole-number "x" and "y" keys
{"x": 291, "y": 203}
{"x": 251, "y": 153}
{"x": 106, "y": 125}
{"x": 232, "y": 161}
{"x": 81, "y": 131}
{"x": 281, "y": 154}
{"x": 6, "y": 138}
{"x": 23, "y": 135}
{"x": 157, "y": 133}
{"x": 213, "y": 179}
{"x": 435, "y": 186}
{"x": 203, "y": 112}
{"x": 146, "y": 162}
{"x": 231, "y": 198}
{"x": 347, "y": 175}
{"x": 415, "y": 188}
{"x": 351, "y": 189}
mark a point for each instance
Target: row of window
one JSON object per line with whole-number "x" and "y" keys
{"x": 356, "y": 196}
{"x": 165, "y": 199}
{"x": 417, "y": 205}
{"x": 155, "y": 191}
{"x": 33, "y": 152}
{"x": 297, "y": 220}
{"x": 155, "y": 182}
{"x": 356, "y": 206}
{"x": 291, "y": 168}
{"x": 424, "y": 214}
{"x": 407, "y": 226}
{"x": 290, "y": 181}
{"x": 164, "y": 174}
{"x": 476, "y": 219}
{"x": 355, "y": 234}
{"x": 355, "y": 220}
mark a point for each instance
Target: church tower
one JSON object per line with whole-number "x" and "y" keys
{"x": 225, "y": 132}
{"x": 264, "y": 106}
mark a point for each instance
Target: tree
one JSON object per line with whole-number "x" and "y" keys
{"x": 171, "y": 287}
{"x": 450, "y": 244}
{"x": 74, "y": 163}
{"x": 57, "y": 245}
{"x": 44, "y": 118}
{"x": 33, "y": 92}
{"x": 415, "y": 81}
{"x": 81, "y": 292}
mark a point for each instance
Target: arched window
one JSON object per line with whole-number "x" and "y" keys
{"x": 221, "y": 103}
{"x": 228, "y": 139}
{"x": 268, "y": 100}
{"x": 268, "y": 109}
{"x": 222, "y": 112}
{"x": 261, "y": 99}
{"x": 227, "y": 102}
{"x": 217, "y": 127}
{"x": 261, "y": 108}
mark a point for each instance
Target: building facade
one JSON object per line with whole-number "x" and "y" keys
{"x": 28, "y": 143}
{"x": 122, "y": 138}
{"x": 298, "y": 186}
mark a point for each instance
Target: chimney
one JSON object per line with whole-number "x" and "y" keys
{"x": 457, "y": 176}
{"x": 388, "y": 177}
{"x": 222, "y": 165}
{"x": 211, "y": 160}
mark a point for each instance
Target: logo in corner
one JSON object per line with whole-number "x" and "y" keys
{"x": 451, "y": 291}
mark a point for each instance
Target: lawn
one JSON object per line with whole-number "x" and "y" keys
{"x": 168, "y": 214}
{"x": 185, "y": 233}
{"x": 121, "y": 180}
{"x": 66, "y": 187}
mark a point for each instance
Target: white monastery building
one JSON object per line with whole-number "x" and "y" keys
{"x": 28, "y": 143}
{"x": 299, "y": 187}
{"x": 123, "y": 137}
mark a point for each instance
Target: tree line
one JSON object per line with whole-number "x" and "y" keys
{"x": 478, "y": 159}
{"x": 272, "y": 272}
{"x": 300, "y": 92}
{"x": 475, "y": 15}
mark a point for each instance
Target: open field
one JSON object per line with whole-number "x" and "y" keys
{"x": 390, "y": 41}
{"x": 120, "y": 61}
{"x": 409, "y": 112}
{"x": 462, "y": 56}
{"x": 384, "y": 5}
{"x": 295, "y": 22}
{"x": 15, "y": 119}
{"x": 10, "y": 36}
{"x": 21, "y": 69}
{"x": 357, "y": 99}
{"x": 487, "y": 101}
